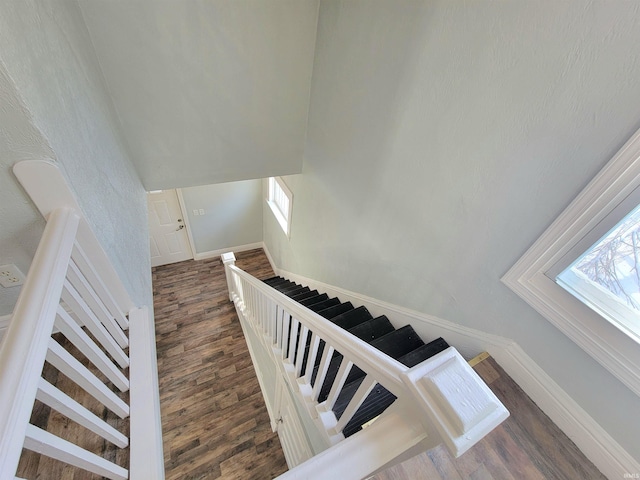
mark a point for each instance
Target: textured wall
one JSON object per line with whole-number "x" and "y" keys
{"x": 49, "y": 58}
{"x": 233, "y": 214}
{"x": 443, "y": 138}
{"x": 21, "y": 224}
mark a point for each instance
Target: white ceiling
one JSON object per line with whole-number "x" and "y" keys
{"x": 207, "y": 91}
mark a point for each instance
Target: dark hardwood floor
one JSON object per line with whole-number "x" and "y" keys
{"x": 528, "y": 445}
{"x": 215, "y": 423}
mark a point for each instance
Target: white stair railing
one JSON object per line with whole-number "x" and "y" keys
{"x": 71, "y": 290}
{"x": 442, "y": 395}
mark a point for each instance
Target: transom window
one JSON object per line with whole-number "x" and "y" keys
{"x": 280, "y": 199}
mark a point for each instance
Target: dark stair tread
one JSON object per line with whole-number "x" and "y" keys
{"x": 352, "y": 318}
{"x": 332, "y": 372}
{"x": 403, "y": 344}
{"x": 277, "y": 283}
{"x": 376, "y": 402}
{"x": 372, "y": 329}
{"x": 284, "y": 285}
{"x": 399, "y": 342}
{"x": 423, "y": 352}
{"x": 302, "y": 296}
{"x": 331, "y": 302}
{"x": 286, "y": 290}
{"x": 336, "y": 310}
{"x": 297, "y": 291}
{"x": 311, "y": 300}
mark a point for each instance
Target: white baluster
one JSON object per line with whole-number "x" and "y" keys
{"x": 45, "y": 443}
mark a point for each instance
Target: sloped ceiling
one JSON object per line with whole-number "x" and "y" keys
{"x": 207, "y": 91}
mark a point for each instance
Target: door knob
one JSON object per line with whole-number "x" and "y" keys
{"x": 180, "y": 228}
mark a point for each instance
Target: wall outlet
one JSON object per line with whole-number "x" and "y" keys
{"x": 10, "y": 276}
{"x": 196, "y": 212}
{"x": 201, "y": 211}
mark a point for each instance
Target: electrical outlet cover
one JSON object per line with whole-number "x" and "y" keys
{"x": 10, "y": 276}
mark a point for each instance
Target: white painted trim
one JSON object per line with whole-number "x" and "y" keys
{"x": 360, "y": 455}
{"x": 146, "y": 459}
{"x": 597, "y": 445}
{"x": 187, "y": 223}
{"x": 606, "y": 343}
{"x": 217, "y": 253}
{"x": 256, "y": 367}
{"x": 270, "y": 258}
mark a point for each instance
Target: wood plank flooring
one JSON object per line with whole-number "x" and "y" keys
{"x": 215, "y": 423}
{"x": 528, "y": 445}
{"x": 214, "y": 420}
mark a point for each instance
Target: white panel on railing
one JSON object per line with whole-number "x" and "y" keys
{"x": 95, "y": 304}
{"x": 59, "y": 401}
{"x": 89, "y": 349}
{"x": 86, "y": 267}
{"x": 147, "y": 462}
{"x": 45, "y": 443}
{"x": 72, "y": 298}
{"x": 72, "y": 368}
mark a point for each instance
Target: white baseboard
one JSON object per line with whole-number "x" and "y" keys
{"x": 270, "y": 258}
{"x": 596, "y": 444}
{"x": 217, "y": 253}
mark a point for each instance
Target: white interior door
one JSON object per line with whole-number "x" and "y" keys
{"x": 167, "y": 231}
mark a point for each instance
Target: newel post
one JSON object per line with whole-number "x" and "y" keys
{"x": 228, "y": 259}
{"x": 455, "y": 400}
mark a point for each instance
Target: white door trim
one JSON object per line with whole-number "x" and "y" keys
{"x": 187, "y": 224}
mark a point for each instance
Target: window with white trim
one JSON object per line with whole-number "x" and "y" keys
{"x": 280, "y": 199}
{"x": 583, "y": 273}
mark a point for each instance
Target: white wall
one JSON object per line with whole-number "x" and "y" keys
{"x": 232, "y": 218}
{"x": 443, "y": 138}
{"x": 20, "y": 223}
{"x": 208, "y": 91}
{"x": 60, "y": 109}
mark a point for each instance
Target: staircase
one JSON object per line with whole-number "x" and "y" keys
{"x": 402, "y": 344}
{"x": 347, "y": 392}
